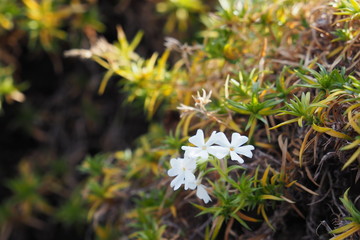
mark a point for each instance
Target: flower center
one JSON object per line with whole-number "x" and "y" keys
{"x": 203, "y": 147}
{"x": 232, "y": 148}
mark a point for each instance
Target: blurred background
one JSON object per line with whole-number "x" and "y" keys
{"x": 51, "y": 114}
{"x": 89, "y": 117}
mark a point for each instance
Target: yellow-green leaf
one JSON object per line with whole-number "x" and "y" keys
{"x": 330, "y": 132}
{"x": 284, "y": 123}
{"x": 271, "y": 197}
{"x": 346, "y": 234}
{"x": 352, "y": 159}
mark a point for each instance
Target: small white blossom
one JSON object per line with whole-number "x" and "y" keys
{"x": 185, "y": 109}
{"x": 200, "y": 190}
{"x": 234, "y": 148}
{"x": 202, "y": 193}
{"x": 202, "y": 148}
{"x": 218, "y": 145}
{"x": 201, "y": 101}
{"x": 82, "y": 53}
{"x": 183, "y": 169}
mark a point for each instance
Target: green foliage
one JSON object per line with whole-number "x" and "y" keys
{"x": 149, "y": 228}
{"x": 282, "y": 90}
{"x": 343, "y": 35}
{"x": 349, "y": 8}
{"x": 249, "y": 98}
{"x": 27, "y": 201}
{"x": 350, "y": 207}
{"x": 104, "y": 187}
{"x": 249, "y": 38}
{"x": 145, "y": 80}
{"x": 239, "y": 26}
{"x": 303, "y": 109}
{"x": 325, "y": 80}
{"x": 179, "y": 13}
{"x": 106, "y": 232}
{"x": 94, "y": 165}
{"x": 43, "y": 21}
{"x": 9, "y": 91}
{"x": 354, "y": 218}
{"x": 147, "y": 159}
{"x": 5, "y": 213}
{"x": 258, "y": 67}
{"x": 72, "y": 211}
{"x": 145, "y": 218}
{"x": 27, "y": 190}
{"x": 8, "y": 12}
{"x": 241, "y": 195}
{"x": 173, "y": 141}
{"x": 153, "y": 200}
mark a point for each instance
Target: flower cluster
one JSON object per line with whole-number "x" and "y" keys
{"x": 217, "y": 145}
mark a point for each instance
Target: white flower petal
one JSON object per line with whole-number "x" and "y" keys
{"x": 189, "y": 149}
{"x": 201, "y": 161}
{"x": 218, "y": 151}
{"x": 174, "y": 172}
{"x": 212, "y": 139}
{"x": 189, "y": 176}
{"x": 195, "y": 152}
{"x": 222, "y": 140}
{"x": 190, "y": 152}
{"x": 176, "y": 162}
{"x": 202, "y": 193}
{"x": 238, "y": 140}
{"x": 198, "y": 139}
{"x": 176, "y": 182}
{"x": 190, "y": 185}
{"x": 203, "y": 154}
{"x": 190, "y": 164}
{"x": 236, "y": 157}
{"x": 245, "y": 150}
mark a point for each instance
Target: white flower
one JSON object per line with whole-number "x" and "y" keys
{"x": 202, "y": 193}
{"x": 201, "y": 101}
{"x": 200, "y": 190}
{"x": 183, "y": 169}
{"x": 201, "y": 149}
{"x": 234, "y": 148}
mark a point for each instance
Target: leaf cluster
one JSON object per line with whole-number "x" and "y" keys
{"x": 263, "y": 75}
